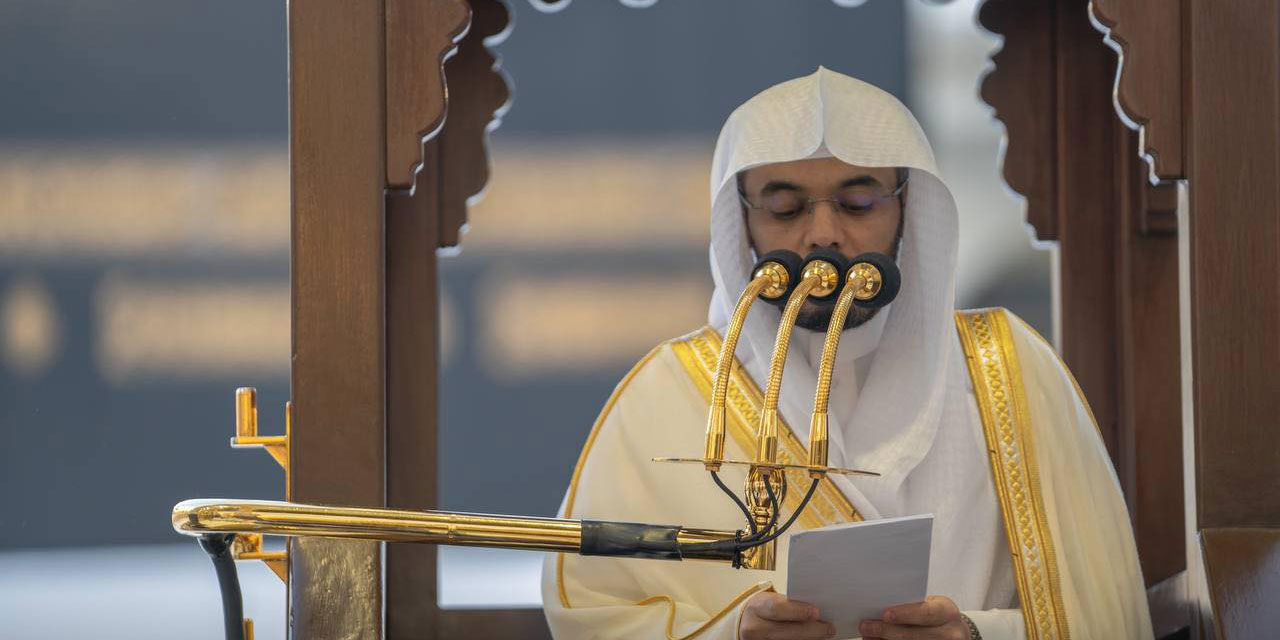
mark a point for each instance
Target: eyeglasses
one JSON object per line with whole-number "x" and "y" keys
{"x": 854, "y": 200}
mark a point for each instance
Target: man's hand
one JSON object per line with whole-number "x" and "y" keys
{"x": 769, "y": 615}
{"x": 937, "y": 618}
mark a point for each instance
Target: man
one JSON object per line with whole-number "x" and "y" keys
{"x": 970, "y": 417}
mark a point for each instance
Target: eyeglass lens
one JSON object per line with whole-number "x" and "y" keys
{"x": 858, "y": 199}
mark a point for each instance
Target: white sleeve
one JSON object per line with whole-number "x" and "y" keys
{"x": 999, "y": 624}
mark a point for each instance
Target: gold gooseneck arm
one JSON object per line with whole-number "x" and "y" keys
{"x": 766, "y": 482}
{"x": 863, "y": 283}
{"x": 818, "y": 279}
{"x": 770, "y": 281}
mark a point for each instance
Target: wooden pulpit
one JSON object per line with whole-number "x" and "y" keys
{"x": 1170, "y": 321}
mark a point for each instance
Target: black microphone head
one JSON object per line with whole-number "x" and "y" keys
{"x": 790, "y": 261}
{"x": 890, "y": 275}
{"x": 837, "y": 260}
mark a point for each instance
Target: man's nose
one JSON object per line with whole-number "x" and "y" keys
{"x": 824, "y": 227}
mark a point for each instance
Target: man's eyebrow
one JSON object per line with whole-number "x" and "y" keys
{"x": 774, "y": 186}
{"x": 865, "y": 180}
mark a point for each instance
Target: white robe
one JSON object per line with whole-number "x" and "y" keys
{"x": 658, "y": 410}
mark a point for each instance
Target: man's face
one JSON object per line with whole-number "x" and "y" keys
{"x": 859, "y": 214}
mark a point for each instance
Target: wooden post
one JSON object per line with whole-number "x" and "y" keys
{"x": 337, "y": 169}
{"x": 364, "y": 77}
{"x": 1234, "y": 183}
{"x": 1199, "y": 81}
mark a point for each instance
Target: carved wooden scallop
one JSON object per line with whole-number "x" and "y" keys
{"x": 1149, "y": 93}
{"x": 416, "y": 48}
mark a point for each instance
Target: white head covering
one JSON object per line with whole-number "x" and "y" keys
{"x": 826, "y": 113}
{"x": 914, "y": 420}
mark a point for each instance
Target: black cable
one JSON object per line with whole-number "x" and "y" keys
{"x": 740, "y": 544}
{"x": 218, "y": 546}
{"x": 790, "y": 521}
{"x": 751, "y": 522}
{"x": 775, "y": 508}
{"x": 749, "y": 541}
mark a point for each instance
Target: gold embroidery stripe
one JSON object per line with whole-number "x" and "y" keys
{"x": 997, "y": 380}
{"x": 699, "y": 353}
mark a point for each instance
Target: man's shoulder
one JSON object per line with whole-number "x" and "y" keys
{"x": 1012, "y": 327}
{"x": 701, "y": 333}
{"x": 1017, "y": 326}
{"x": 685, "y": 349}
{"x": 997, "y": 327}
{"x": 703, "y": 340}
{"x": 1040, "y": 364}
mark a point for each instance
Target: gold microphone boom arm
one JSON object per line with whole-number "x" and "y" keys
{"x": 586, "y": 537}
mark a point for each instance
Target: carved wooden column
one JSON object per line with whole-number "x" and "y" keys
{"x": 454, "y": 169}
{"x": 365, "y": 87}
{"x": 337, "y": 172}
{"x": 418, "y": 35}
{"x": 1117, "y": 299}
{"x": 1200, "y": 81}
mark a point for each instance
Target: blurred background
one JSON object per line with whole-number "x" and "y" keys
{"x": 144, "y": 238}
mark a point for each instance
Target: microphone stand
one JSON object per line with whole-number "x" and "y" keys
{"x": 232, "y": 529}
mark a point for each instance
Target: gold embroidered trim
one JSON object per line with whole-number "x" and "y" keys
{"x": 699, "y": 352}
{"x": 997, "y": 381}
{"x": 568, "y": 513}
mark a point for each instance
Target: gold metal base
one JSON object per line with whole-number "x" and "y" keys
{"x": 771, "y": 465}
{"x": 249, "y": 546}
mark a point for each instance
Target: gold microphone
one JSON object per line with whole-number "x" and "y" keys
{"x": 820, "y": 279}
{"x": 774, "y": 276}
{"x": 767, "y": 482}
{"x": 871, "y": 282}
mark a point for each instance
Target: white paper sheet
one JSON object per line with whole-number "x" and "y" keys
{"x": 853, "y": 572}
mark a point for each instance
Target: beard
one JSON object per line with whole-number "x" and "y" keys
{"x": 816, "y": 316}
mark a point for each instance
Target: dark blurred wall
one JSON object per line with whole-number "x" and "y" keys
{"x": 129, "y": 69}
{"x": 184, "y": 73}
{"x": 186, "y": 69}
